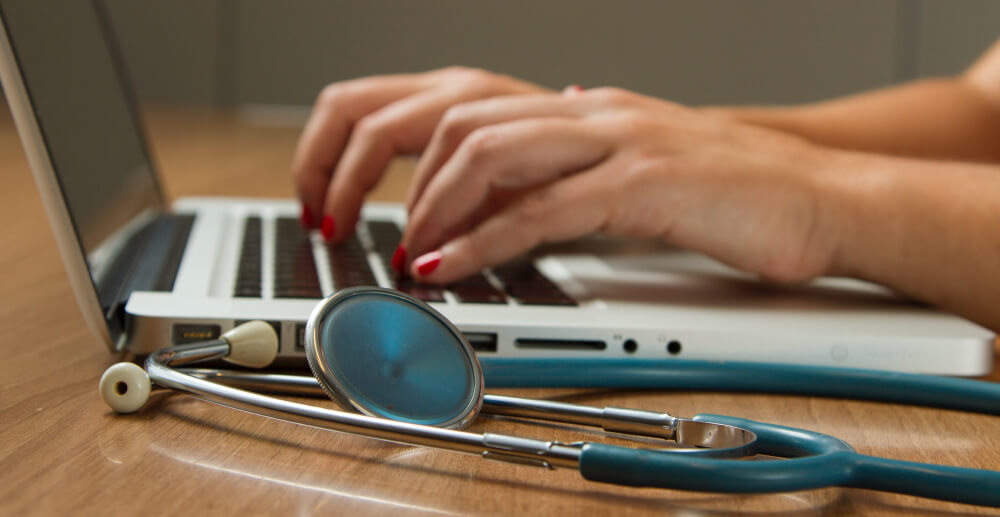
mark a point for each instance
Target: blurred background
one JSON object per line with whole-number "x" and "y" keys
{"x": 265, "y": 52}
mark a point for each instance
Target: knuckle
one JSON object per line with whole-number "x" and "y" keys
{"x": 475, "y": 246}
{"x": 331, "y": 95}
{"x": 611, "y": 95}
{"x": 636, "y": 174}
{"x": 481, "y": 145}
{"x": 456, "y": 123}
{"x": 476, "y": 80}
{"x": 303, "y": 177}
{"x": 534, "y": 209}
{"x": 308, "y": 177}
{"x": 371, "y": 127}
{"x": 633, "y": 126}
{"x": 475, "y": 75}
{"x": 454, "y": 70}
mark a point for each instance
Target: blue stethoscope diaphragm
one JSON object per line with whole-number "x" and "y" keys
{"x": 389, "y": 355}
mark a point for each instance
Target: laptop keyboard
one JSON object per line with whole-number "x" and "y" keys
{"x": 295, "y": 274}
{"x": 349, "y": 264}
{"x": 248, "y": 275}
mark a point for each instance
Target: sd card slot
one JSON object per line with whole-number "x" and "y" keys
{"x": 560, "y": 344}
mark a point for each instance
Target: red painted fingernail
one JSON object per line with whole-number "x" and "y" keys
{"x": 306, "y": 219}
{"x": 399, "y": 259}
{"x": 572, "y": 89}
{"x": 427, "y": 263}
{"x": 329, "y": 226}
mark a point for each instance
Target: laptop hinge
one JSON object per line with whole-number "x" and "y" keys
{"x": 148, "y": 262}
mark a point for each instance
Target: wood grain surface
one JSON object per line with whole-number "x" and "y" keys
{"x": 62, "y": 452}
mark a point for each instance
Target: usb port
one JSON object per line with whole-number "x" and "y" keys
{"x": 189, "y": 333}
{"x": 482, "y": 341}
{"x": 300, "y": 337}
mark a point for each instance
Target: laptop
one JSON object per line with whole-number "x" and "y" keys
{"x": 146, "y": 275}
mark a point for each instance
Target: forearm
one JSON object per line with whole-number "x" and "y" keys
{"x": 951, "y": 119}
{"x": 930, "y": 230}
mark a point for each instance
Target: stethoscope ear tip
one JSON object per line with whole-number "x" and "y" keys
{"x": 125, "y": 387}
{"x": 253, "y": 344}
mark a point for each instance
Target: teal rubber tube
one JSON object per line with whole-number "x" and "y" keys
{"x": 961, "y": 485}
{"x": 815, "y": 461}
{"x": 732, "y": 376}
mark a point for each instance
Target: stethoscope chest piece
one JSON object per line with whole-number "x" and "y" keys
{"x": 388, "y": 355}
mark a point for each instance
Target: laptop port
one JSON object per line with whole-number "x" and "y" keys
{"x": 674, "y": 347}
{"x": 185, "y": 333}
{"x": 560, "y": 344}
{"x": 300, "y": 337}
{"x": 482, "y": 341}
{"x": 276, "y": 325}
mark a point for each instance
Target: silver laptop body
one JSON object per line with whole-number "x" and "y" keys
{"x": 147, "y": 277}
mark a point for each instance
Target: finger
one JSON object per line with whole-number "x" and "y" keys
{"x": 463, "y": 119}
{"x": 567, "y": 209}
{"x": 403, "y": 127}
{"x": 323, "y": 139}
{"x": 512, "y": 155}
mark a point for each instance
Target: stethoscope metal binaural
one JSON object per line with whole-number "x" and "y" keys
{"x": 415, "y": 380}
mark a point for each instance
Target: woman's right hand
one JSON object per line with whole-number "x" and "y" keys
{"x": 358, "y": 126}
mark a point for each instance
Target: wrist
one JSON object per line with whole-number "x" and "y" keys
{"x": 853, "y": 199}
{"x": 779, "y": 118}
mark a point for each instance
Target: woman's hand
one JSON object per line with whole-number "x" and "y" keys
{"x": 503, "y": 175}
{"x": 509, "y": 165}
{"x": 358, "y": 126}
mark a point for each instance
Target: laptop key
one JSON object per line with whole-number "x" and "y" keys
{"x": 477, "y": 289}
{"x": 425, "y": 292}
{"x": 529, "y": 286}
{"x": 385, "y": 236}
{"x": 248, "y": 292}
{"x": 349, "y": 264}
{"x": 298, "y": 292}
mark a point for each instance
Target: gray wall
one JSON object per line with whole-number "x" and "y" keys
{"x": 233, "y": 52}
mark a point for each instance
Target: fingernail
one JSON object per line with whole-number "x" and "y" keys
{"x": 306, "y": 219}
{"x": 329, "y": 226}
{"x": 427, "y": 263}
{"x": 399, "y": 259}
{"x": 572, "y": 89}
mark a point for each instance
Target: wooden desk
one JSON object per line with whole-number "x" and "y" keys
{"x": 63, "y": 452}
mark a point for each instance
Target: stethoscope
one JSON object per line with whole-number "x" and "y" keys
{"x": 415, "y": 380}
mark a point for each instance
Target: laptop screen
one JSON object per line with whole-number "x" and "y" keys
{"x": 85, "y": 114}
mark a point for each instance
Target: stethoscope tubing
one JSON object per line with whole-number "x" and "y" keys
{"x": 811, "y": 460}
{"x": 825, "y": 461}
{"x": 735, "y": 376}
